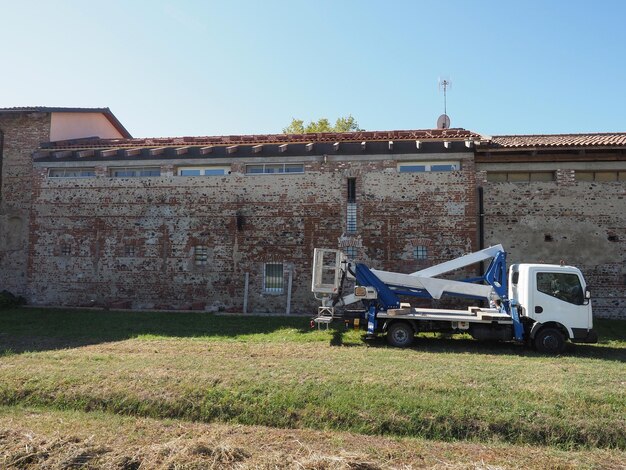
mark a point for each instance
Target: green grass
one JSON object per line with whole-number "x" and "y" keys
{"x": 275, "y": 371}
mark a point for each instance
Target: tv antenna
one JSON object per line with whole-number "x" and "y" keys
{"x": 443, "y": 122}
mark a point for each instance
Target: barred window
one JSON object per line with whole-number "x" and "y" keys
{"x": 201, "y": 255}
{"x": 351, "y": 252}
{"x": 66, "y": 249}
{"x": 351, "y": 218}
{"x": 273, "y": 278}
{"x": 420, "y": 252}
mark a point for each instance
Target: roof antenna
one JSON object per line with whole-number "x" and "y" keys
{"x": 443, "y": 122}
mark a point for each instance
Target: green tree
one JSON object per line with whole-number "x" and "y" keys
{"x": 342, "y": 124}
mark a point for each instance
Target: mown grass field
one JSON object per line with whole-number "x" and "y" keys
{"x": 442, "y": 402}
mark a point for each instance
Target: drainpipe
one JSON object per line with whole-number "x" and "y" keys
{"x": 481, "y": 228}
{"x": 1, "y": 160}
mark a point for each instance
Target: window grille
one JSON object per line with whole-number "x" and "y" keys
{"x": 66, "y": 249}
{"x": 351, "y": 220}
{"x": 273, "y": 279}
{"x": 201, "y": 255}
{"x": 420, "y": 252}
{"x": 351, "y": 252}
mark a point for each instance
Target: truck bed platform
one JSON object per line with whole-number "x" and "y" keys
{"x": 472, "y": 315}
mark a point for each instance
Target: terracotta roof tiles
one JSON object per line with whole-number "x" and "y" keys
{"x": 428, "y": 134}
{"x": 616, "y": 139}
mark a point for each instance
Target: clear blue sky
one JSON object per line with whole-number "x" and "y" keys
{"x": 173, "y": 68}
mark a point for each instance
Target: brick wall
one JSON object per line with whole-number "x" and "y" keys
{"x": 81, "y": 228}
{"x": 21, "y": 133}
{"x": 582, "y": 223}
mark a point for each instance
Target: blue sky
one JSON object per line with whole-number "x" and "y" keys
{"x": 173, "y": 68}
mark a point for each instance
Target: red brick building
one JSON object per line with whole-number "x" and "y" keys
{"x": 90, "y": 216}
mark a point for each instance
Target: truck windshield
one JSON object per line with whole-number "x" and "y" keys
{"x": 563, "y": 286}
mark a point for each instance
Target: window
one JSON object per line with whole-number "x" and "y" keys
{"x": 135, "y": 172}
{"x": 603, "y": 176}
{"x": 129, "y": 251}
{"x": 273, "y": 168}
{"x": 202, "y": 171}
{"x": 66, "y": 249}
{"x": 351, "y": 189}
{"x": 563, "y": 286}
{"x": 273, "y": 278}
{"x": 420, "y": 252}
{"x": 200, "y": 255}
{"x": 351, "y": 218}
{"x": 71, "y": 172}
{"x": 519, "y": 177}
{"x": 351, "y": 252}
{"x": 418, "y": 167}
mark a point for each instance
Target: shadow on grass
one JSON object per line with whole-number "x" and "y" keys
{"x": 29, "y": 329}
{"x": 437, "y": 345}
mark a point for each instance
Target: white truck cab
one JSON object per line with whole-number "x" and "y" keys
{"x": 552, "y": 297}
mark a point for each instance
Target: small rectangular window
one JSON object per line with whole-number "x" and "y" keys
{"x": 420, "y": 252}
{"x": 273, "y": 278}
{"x": 135, "y": 172}
{"x": 412, "y": 168}
{"x": 274, "y": 168}
{"x": 66, "y": 249}
{"x": 202, "y": 171}
{"x": 606, "y": 176}
{"x": 601, "y": 176}
{"x": 519, "y": 176}
{"x": 200, "y": 255}
{"x": 129, "y": 251}
{"x": 419, "y": 167}
{"x": 71, "y": 172}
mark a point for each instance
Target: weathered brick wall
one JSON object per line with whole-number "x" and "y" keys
{"x": 21, "y": 133}
{"x": 245, "y": 221}
{"x": 582, "y": 223}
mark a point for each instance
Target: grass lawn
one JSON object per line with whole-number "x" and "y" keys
{"x": 245, "y": 372}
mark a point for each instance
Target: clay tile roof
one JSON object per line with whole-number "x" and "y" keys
{"x": 48, "y": 109}
{"x": 429, "y": 134}
{"x": 616, "y": 139}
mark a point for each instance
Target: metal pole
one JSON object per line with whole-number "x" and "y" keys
{"x": 245, "y": 293}
{"x": 288, "y": 310}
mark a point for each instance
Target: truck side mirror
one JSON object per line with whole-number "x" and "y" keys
{"x": 587, "y": 297}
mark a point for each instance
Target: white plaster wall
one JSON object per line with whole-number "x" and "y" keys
{"x": 77, "y": 125}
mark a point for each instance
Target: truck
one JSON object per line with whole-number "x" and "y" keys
{"x": 540, "y": 305}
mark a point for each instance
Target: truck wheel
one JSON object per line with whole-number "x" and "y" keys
{"x": 550, "y": 340}
{"x": 400, "y": 335}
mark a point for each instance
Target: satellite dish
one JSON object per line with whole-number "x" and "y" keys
{"x": 443, "y": 122}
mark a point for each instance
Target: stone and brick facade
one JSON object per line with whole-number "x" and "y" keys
{"x": 125, "y": 223}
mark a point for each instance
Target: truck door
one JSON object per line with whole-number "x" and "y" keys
{"x": 559, "y": 296}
